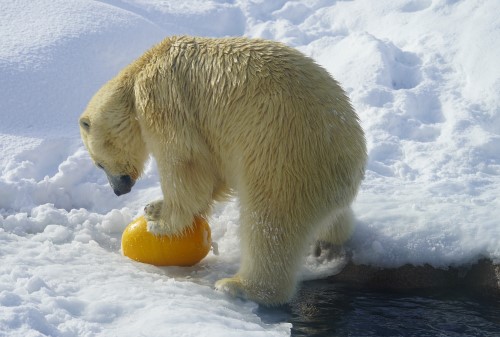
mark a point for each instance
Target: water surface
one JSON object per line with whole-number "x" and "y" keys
{"x": 325, "y": 309}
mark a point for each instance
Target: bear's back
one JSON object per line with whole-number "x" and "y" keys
{"x": 258, "y": 83}
{"x": 260, "y": 105}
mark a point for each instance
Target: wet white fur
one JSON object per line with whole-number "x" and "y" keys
{"x": 236, "y": 116}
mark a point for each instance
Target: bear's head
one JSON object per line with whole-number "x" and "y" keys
{"x": 112, "y": 135}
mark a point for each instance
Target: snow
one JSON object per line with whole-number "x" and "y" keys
{"x": 423, "y": 76}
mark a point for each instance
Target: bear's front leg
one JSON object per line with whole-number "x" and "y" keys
{"x": 335, "y": 230}
{"x": 188, "y": 186}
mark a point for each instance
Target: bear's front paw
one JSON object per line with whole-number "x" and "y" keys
{"x": 153, "y": 210}
{"x": 164, "y": 220}
{"x": 158, "y": 228}
{"x": 153, "y": 214}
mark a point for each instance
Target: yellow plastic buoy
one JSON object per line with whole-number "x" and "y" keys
{"x": 186, "y": 250}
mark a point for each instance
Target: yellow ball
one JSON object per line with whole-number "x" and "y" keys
{"x": 186, "y": 250}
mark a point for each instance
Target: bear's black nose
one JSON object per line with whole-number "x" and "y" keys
{"x": 121, "y": 184}
{"x": 126, "y": 180}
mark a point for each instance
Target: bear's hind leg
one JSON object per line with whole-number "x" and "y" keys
{"x": 335, "y": 230}
{"x": 272, "y": 254}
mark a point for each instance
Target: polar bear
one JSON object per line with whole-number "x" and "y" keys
{"x": 240, "y": 117}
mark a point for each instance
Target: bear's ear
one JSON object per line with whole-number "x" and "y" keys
{"x": 85, "y": 123}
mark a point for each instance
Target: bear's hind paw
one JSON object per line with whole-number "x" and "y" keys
{"x": 231, "y": 286}
{"x": 323, "y": 250}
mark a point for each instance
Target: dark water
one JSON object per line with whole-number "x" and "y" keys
{"x": 325, "y": 309}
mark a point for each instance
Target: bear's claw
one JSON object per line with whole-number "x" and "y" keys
{"x": 152, "y": 211}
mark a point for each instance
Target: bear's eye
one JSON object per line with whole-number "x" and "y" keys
{"x": 100, "y": 166}
{"x": 85, "y": 124}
